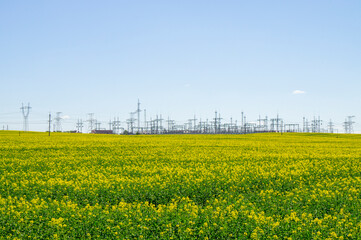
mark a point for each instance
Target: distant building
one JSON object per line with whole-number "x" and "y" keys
{"x": 102, "y": 131}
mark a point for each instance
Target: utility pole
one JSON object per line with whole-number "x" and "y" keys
{"x": 168, "y": 122}
{"x": 242, "y": 122}
{"x": 246, "y": 126}
{"x": 145, "y": 120}
{"x": 194, "y": 123}
{"x": 219, "y": 123}
{"x": 25, "y": 110}
{"x": 157, "y": 125}
{"x": 215, "y": 122}
{"x": 138, "y": 112}
{"x": 266, "y": 123}
{"x": 161, "y": 124}
{"x": 230, "y": 128}
{"x": 208, "y": 127}
{"x": 151, "y": 125}
{"x": 49, "y": 123}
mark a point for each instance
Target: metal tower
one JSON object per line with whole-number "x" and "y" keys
{"x": 145, "y": 126}
{"x": 79, "y": 126}
{"x": 58, "y": 119}
{"x": 330, "y": 126}
{"x": 91, "y": 122}
{"x": 192, "y": 124}
{"x": 25, "y": 110}
{"x": 348, "y": 124}
{"x": 131, "y": 122}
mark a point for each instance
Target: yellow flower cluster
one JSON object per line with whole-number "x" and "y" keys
{"x": 259, "y": 186}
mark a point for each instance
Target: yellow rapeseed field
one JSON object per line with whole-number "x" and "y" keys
{"x": 260, "y": 186}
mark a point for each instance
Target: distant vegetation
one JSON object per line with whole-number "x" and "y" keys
{"x": 258, "y": 186}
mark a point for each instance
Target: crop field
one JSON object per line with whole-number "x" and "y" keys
{"x": 259, "y": 186}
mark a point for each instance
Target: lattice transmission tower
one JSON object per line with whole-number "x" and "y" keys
{"x": 26, "y": 110}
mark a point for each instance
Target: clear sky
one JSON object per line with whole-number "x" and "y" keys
{"x": 180, "y": 58}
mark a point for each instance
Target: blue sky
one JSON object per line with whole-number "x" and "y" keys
{"x": 180, "y": 58}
